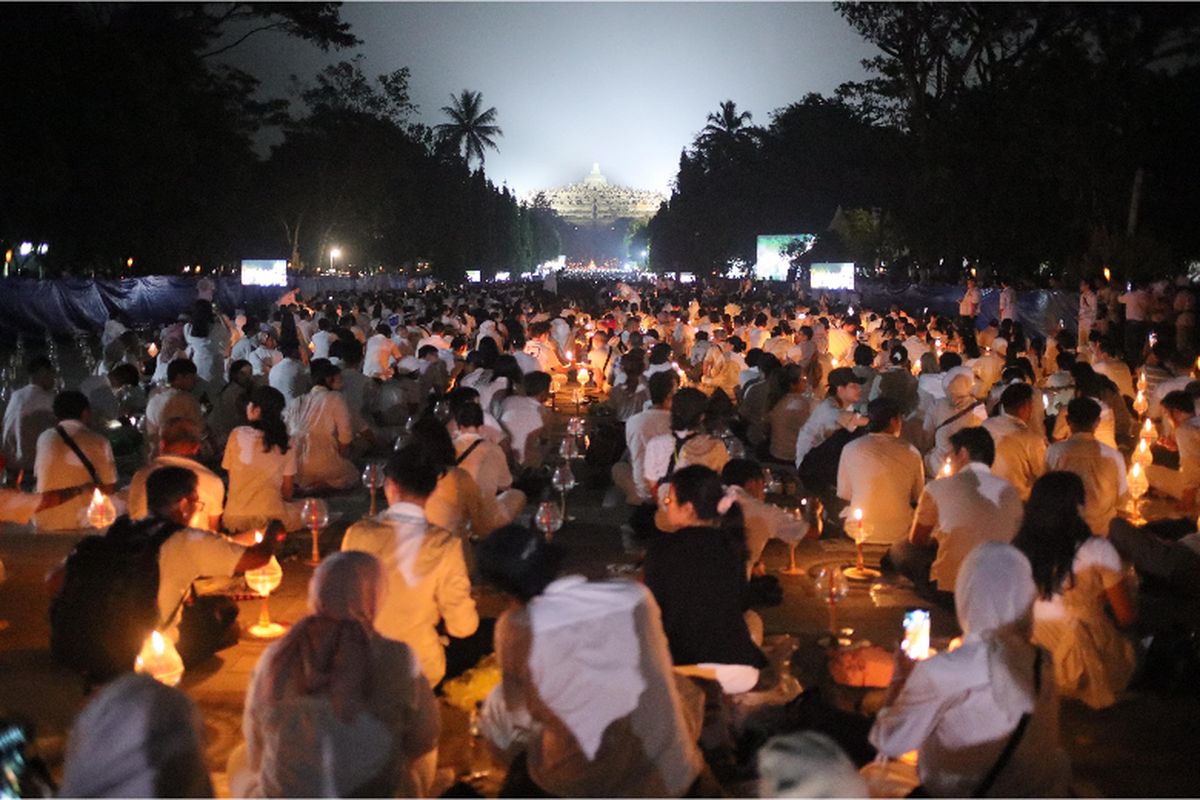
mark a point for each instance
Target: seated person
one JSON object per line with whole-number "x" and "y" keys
{"x": 70, "y": 454}
{"x": 960, "y": 709}
{"x": 334, "y": 707}
{"x": 763, "y": 521}
{"x": 319, "y": 425}
{"x": 697, "y": 573}
{"x": 487, "y": 464}
{"x": 586, "y": 670}
{"x": 178, "y": 447}
{"x": 527, "y": 420}
{"x": 686, "y": 444}
{"x": 1181, "y": 484}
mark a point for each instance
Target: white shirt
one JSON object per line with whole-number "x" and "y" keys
{"x": 968, "y": 508}
{"x": 427, "y": 581}
{"x": 1118, "y": 372}
{"x": 1135, "y": 305}
{"x": 969, "y": 305}
{"x": 30, "y": 411}
{"x": 702, "y": 449}
{"x": 1020, "y": 452}
{"x": 765, "y": 522}
{"x": 19, "y": 507}
{"x": 187, "y": 555}
{"x": 826, "y": 417}
{"x": 319, "y": 425}
{"x": 167, "y": 404}
{"x": 380, "y": 352}
{"x": 321, "y": 340}
{"x": 57, "y": 467}
{"x": 1102, "y": 470}
{"x": 522, "y": 417}
{"x": 486, "y": 463}
{"x": 209, "y": 487}
{"x": 290, "y": 378}
{"x": 255, "y": 479}
{"x": 582, "y": 659}
{"x": 881, "y": 474}
{"x": 949, "y": 714}
{"x": 1008, "y": 303}
{"x": 543, "y": 353}
{"x": 639, "y": 430}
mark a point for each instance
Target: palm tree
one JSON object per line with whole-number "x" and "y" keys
{"x": 470, "y": 130}
{"x": 728, "y": 126}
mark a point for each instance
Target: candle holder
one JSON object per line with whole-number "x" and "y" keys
{"x": 315, "y": 514}
{"x": 1138, "y": 486}
{"x": 1142, "y": 454}
{"x": 160, "y": 660}
{"x": 548, "y": 518}
{"x": 1140, "y": 404}
{"x": 370, "y": 478}
{"x": 860, "y": 571}
{"x": 831, "y": 587}
{"x": 563, "y": 481}
{"x": 265, "y": 580}
{"x": 101, "y": 512}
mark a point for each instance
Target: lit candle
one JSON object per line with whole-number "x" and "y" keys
{"x": 1107, "y": 275}
{"x": 947, "y": 471}
{"x": 1148, "y": 430}
{"x": 1142, "y": 454}
{"x": 160, "y": 660}
{"x": 101, "y": 512}
{"x": 582, "y": 376}
{"x": 152, "y": 349}
{"x": 834, "y": 362}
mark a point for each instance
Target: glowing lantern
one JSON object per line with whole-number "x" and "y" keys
{"x": 159, "y": 659}
{"x": 152, "y": 350}
{"x": 265, "y": 580}
{"x": 1149, "y": 431}
{"x": 1142, "y": 454}
{"x": 582, "y": 376}
{"x": 315, "y": 514}
{"x": 1138, "y": 486}
{"x": 1107, "y": 275}
{"x": 1141, "y": 382}
{"x": 101, "y": 512}
{"x": 1139, "y": 403}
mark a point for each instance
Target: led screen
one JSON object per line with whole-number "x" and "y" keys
{"x": 264, "y": 272}
{"x": 773, "y": 260}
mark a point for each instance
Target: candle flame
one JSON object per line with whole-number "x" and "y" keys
{"x": 1107, "y": 274}
{"x": 858, "y": 515}
{"x": 582, "y": 375}
{"x": 946, "y": 469}
{"x": 157, "y": 644}
{"x": 258, "y": 537}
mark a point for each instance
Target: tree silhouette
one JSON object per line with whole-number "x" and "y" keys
{"x": 728, "y": 126}
{"x": 470, "y": 129}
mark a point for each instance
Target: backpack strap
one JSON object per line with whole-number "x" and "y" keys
{"x": 959, "y": 415}
{"x": 87, "y": 462}
{"x": 468, "y": 451}
{"x": 679, "y": 445}
{"x": 1015, "y": 739}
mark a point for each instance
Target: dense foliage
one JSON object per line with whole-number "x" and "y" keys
{"x": 126, "y": 138}
{"x": 1011, "y": 136}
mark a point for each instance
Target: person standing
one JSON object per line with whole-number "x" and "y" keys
{"x": 1137, "y": 305}
{"x": 968, "y": 306}
{"x": 29, "y": 412}
{"x": 1008, "y": 301}
{"x": 1087, "y": 309}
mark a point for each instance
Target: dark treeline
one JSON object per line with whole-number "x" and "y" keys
{"x": 125, "y": 137}
{"x": 1009, "y": 135}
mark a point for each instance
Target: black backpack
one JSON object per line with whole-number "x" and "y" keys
{"x": 108, "y": 603}
{"x": 819, "y": 468}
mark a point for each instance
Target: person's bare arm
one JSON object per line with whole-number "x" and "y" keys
{"x": 1121, "y": 604}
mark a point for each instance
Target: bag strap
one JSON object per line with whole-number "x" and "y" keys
{"x": 87, "y": 462}
{"x": 1011, "y": 746}
{"x": 679, "y": 445}
{"x": 468, "y": 452}
{"x": 959, "y": 415}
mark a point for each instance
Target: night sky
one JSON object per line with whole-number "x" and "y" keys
{"x": 627, "y": 85}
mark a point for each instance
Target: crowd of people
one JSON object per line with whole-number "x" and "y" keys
{"x": 999, "y": 467}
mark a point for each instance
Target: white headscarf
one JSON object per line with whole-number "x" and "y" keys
{"x": 958, "y": 384}
{"x": 993, "y": 597}
{"x": 807, "y": 764}
{"x": 136, "y": 738}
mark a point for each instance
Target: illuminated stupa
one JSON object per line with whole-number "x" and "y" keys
{"x": 595, "y": 202}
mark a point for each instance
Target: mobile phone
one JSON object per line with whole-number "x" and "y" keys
{"x": 13, "y": 738}
{"x": 916, "y": 634}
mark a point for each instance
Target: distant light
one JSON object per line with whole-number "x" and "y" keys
{"x": 26, "y": 248}
{"x": 43, "y": 248}
{"x": 645, "y": 253}
{"x": 335, "y": 252}
{"x": 128, "y": 263}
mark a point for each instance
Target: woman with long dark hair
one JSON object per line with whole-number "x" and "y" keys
{"x": 1077, "y": 576}
{"x": 697, "y": 572}
{"x": 261, "y": 464}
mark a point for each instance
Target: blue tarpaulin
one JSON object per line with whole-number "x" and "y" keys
{"x": 68, "y": 307}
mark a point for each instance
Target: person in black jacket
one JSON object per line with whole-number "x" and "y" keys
{"x": 697, "y": 574}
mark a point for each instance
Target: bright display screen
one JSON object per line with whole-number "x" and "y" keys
{"x": 832, "y": 276}
{"x": 772, "y": 253}
{"x": 264, "y": 272}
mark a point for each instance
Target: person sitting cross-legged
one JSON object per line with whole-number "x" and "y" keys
{"x": 956, "y": 513}
{"x": 485, "y": 461}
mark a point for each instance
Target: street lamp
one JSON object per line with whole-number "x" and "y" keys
{"x": 334, "y": 252}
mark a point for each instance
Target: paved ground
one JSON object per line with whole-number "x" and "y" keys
{"x": 1143, "y": 746}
